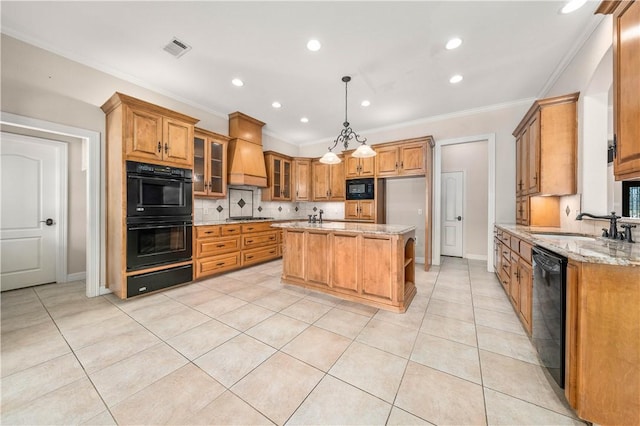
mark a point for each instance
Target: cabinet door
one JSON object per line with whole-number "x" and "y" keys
{"x": 525, "y": 277}
{"x": 200, "y": 180}
{"x": 344, "y": 255}
{"x": 178, "y": 142}
{"x": 519, "y": 183}
{"x": 514, "y": 282}
{"x": 387, "y": 161}
{"x": 367, "y": 210}
{"x": 320, "y": 174}
{"x": 412, "y": 159}
{"x": 276, "y": 181}
{"x": 368, "y": 167}
{"x": 143, "y": 135}
{"x": 626, "y": 63}
{"x": 302, "y": 180}
{"x": 377, "y": 276}
{"x": 533, "y": 155}
{"x": 351, "y": 209}
{"x": 286, "y": 179}
{"x": 337, "y": 182}
{"x": 317, "y": 267}
{"x": 352, "y": 166}
{"x": 217, "y": 170}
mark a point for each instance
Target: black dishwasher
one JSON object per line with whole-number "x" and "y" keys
{"x": 549, "y": 295}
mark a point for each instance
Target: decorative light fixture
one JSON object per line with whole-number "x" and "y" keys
{"x": 347, "y": 134}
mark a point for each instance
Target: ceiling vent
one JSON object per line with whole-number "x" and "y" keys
{"x": 177, "y": 48}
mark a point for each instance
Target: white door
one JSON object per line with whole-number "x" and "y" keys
{"x": 29, "y": 210}
{"x": 452, "y": 217}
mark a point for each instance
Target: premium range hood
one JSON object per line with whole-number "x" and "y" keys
{"x": 245, "y": 157}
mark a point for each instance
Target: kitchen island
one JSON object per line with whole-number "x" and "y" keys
{"x": 367, "y": 263}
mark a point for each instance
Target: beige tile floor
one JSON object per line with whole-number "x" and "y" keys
{"x": 245, "y": 349}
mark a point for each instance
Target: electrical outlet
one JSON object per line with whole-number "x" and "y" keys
{"x": 419, "y": 211}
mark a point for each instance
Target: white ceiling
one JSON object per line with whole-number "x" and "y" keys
{"x": 394, "y": 51}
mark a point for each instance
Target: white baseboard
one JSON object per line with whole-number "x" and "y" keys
{"x": 77, "y": 276}
{"x": 476, "y": 256}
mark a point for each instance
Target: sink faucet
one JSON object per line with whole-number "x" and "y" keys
{"x": 321, "y": 212}
{"x": 613, "y": 224}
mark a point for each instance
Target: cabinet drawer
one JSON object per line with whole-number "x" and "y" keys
{"x": 230, "y": 230}
{"x": 256, "y": 227}
{"x": 261, "y": 239}
{"x": 515, "y": 244}
{"x": 506, "y": 239}
{"x": 215, "y": 246}
{"x": 259, "y": 255}
{"x": 525, "y": 251}
{"x": 215, "y": 264}
{"x": 207, "y": 231}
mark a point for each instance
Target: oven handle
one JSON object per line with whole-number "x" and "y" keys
{"x": 164, "y": 178}
{"x": 137, "y": 228}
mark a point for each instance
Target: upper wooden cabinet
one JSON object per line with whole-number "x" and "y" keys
{"x": 358, "y": 167}
{"x": 328, "y": 181}
{"x": 302, "y": 179}
{"x": 151, "y": 133}
{"x": 402, "y": 158}
{"x": 546, "y": 141}
{"x": 209, "y": 164}
{"x": 279, "y": 176}
{"x": 626, "y": 110}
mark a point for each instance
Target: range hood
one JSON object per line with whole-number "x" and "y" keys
{"x": 245, "y": 156}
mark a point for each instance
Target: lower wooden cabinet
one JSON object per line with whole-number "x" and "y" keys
{"x": 220, "y": 248}
{"x": 360, "y": 209}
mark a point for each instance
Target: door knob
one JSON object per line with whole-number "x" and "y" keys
{"x": 49, "y": 222}
{"x": 459, "y": 218}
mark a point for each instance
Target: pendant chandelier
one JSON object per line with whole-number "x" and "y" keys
{"x": 347, "y": 134}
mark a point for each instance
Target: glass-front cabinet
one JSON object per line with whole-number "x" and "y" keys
{"x": 209, "y": 164}
{"x": 279, "y": 173}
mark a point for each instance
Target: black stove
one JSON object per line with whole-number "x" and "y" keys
{"x": 236, "y": 218}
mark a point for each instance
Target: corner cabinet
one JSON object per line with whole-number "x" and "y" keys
{"x": 279, "y": 177}
{"x": 328, "y": 181}
{"x": 626, "y": 110}
{"x": 209, "y": 164}
{"x": 402, "y": 158}
{"x": 152, "y": 134}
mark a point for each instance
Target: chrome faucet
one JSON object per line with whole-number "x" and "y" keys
{"x": 321, "y": 212}
{"x": 613, "y": 224}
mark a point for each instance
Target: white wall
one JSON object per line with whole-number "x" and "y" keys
{"x": 404, "y": 198}
{"x": 471, "y": 158}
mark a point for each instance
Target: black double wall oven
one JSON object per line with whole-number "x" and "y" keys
{"x": 159, "y": 226}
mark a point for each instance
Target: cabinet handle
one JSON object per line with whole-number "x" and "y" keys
{"x": 250, "y": 229}
{"x": 220, "y": 264}
{"x": 272, "y": 238}
{"x": 272, "y": 252}
{"x": 535, "y": 177}
{"x": 159, "y": 147}
{"x": 396, "y": 165}
{"x": 166, "y": 147}
{"x": 402, "y": 164}
{"x": 520, "y": 185}
{"x": 249, "y": 257}
{"x": 208, "y": 232}
{"x": 220, "y": 245}
{"x": 327, "y": 193}
{"x": 249, "y": 241}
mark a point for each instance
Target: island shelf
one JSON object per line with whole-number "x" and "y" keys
{"x": 367, "y": 263}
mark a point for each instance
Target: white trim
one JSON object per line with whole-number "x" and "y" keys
{"x": 491, "y": 192}
{"x": 475, "y": 256}
{"x": 77, "y": 276}
{"x": 94, "y": 238}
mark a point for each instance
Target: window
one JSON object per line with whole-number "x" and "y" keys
{"x": 631, "y": 199}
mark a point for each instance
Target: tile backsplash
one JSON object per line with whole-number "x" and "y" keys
{"x": 246, "y": 201}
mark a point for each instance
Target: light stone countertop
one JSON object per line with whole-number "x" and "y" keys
{"x": 231, "y": 222}
{"x": 362, "y": 228}
{"x": 591, "y": 250}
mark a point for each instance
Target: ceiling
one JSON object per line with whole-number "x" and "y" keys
{"x": 394, "y": 51}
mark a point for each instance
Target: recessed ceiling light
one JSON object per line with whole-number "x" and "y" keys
{"x": 276, "y": 104}
{"x": 313, "y": 45}
{"x": 572, "y": 6}
{"x": 455, "y": 79}
{"x": 237, "y": 82}
{"x": 304, "y": 120}
{"x": 453, "y": 43}
{"x": 365, "y": 103}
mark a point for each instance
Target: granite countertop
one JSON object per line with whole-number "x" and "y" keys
{"x": 363, "y": 228}
{"x": 231, "y": 222}
{"x": 582, "y": 248}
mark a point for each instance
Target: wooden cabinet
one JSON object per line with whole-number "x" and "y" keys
{"x": 515, "y": 272}
{"x": 328, "y": 181}
{"x": 220, "y": 248}
{"x": 626, "y": 110}
{"x": 279, "y": 177}
{"x": 209, "y": 164}
{"x": 156, "y": 136}
{"x": 302, "y": 179}
{"x": 139, "y": 131}
{"x": 402, "y": 158}
{"x": 358, "y": 167}
{"x": 602, "y": 342}
{"x": 360, "y": 209}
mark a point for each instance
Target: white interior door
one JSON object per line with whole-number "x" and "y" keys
{"x": 29, "y": 211}
{"x": 452, "y": 215}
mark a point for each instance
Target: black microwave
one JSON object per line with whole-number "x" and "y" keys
{"x": 360, "y": 189}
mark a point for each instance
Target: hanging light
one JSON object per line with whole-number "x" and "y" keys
{"x": 347, "y": 134}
